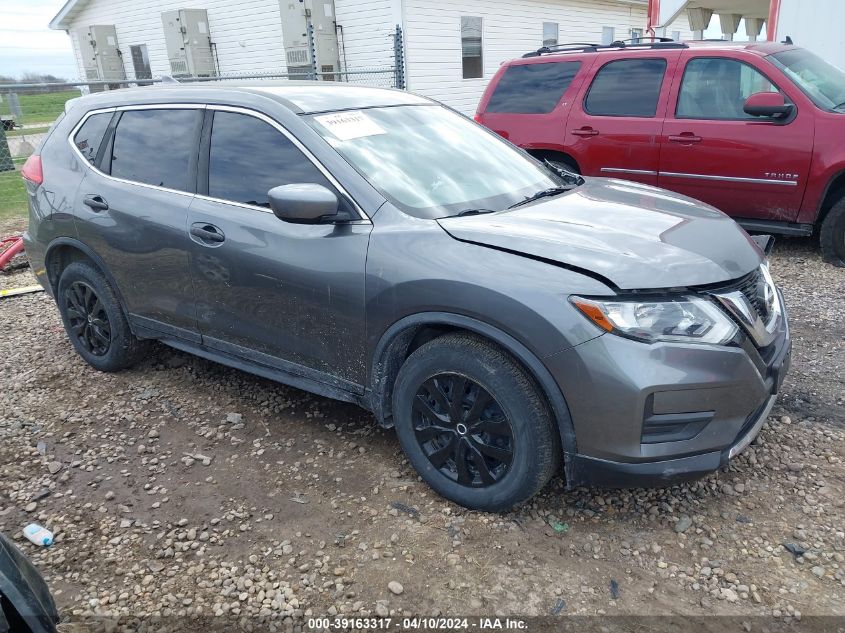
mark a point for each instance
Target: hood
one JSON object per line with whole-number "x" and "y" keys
{"x": 633, "y": 235}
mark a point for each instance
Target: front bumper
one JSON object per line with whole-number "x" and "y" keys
{"x": 613, "y": 385}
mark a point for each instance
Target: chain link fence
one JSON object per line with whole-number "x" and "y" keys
{"x": 28, "y": 110}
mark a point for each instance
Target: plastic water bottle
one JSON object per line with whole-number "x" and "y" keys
{"x": 38, "y": 535}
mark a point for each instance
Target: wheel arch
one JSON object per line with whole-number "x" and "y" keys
{"x": 552, "y": 154}
{"x": 407, "y": 334}
{"x": 65, "y": 250}
{"x": 834, "y": 192}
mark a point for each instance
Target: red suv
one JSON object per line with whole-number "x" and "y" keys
{"x": 756, "y": 130}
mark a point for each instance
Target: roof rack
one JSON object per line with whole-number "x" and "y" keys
{"x": 583, "y": 47}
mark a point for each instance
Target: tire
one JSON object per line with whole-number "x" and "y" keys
{"x": 832, "y": 235}
{"x": 94, "y": 320}
{"x": 476, "y": 462}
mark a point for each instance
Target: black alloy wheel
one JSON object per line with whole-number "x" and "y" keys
{"x": 87, "y": 318}
{"x": 462, "y": 430}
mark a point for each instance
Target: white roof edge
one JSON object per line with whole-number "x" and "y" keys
{"x": 60, "y": 21}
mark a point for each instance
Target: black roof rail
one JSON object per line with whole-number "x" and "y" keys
{"x": 582, "y": 47}
{"x": 560, "y": 48}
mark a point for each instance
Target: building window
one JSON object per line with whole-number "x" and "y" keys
{"x": 636, "y": 36}
{"x": 676, "y": 35}
{"x": 549, "y": 33}
{"x": 607, "y": 33}
{"x": 141, "y": 61}
{"x": 471, "y": 61}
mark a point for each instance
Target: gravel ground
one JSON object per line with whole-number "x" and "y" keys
{"x": 183, "y": 487}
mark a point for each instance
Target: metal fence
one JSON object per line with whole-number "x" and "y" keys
{"x": 28, "y": 110}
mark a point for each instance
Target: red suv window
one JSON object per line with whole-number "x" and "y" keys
{"x": 532, "y": 88}
{"x": 627, "y": 87}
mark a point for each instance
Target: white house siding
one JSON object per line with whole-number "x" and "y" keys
{"x": 681, "y": 24}
{"x": 248, "y": 33}
{"x": 367, "y": 36}
{"x": 509, "y": 29}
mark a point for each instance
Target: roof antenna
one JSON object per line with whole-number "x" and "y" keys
{"x": 787, "y": 41}
{"x": 167, "y": 79}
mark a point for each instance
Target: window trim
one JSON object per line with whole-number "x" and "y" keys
{"x": 104, "y": 141}
{"x": 543, "y": 33}
{"x": 113, "y": 109}
{"x": 203, "y": 107}
{"x": 279, "y": 127}
{"x": 627, "y": 116}
{"x": 786, "y": 121}
{"x": 480, "y": 47}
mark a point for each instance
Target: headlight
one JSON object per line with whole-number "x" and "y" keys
{"x": 681, "y": 320}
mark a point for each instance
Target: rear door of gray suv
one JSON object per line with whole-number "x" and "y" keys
{"x": 132, "y": 209}
{"x": 286, "y": 295}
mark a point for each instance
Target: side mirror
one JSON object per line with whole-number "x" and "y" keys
{"x": 305, "y": 203}
{"x": 768, "y": 104}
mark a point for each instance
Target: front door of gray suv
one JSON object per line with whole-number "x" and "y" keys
{"x": 132, "y": 212}
{"x": 286, "y": 295}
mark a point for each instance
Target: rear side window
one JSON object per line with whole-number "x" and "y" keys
{"x": 628, "y": 87}
{"x": 154, "y": 147}
{"x": 532, "y": 88}
{"x": 249, "y": 157}
{"x": 90, "y": 135}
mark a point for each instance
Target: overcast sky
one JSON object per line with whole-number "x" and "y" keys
{"x": 28, "y": 45}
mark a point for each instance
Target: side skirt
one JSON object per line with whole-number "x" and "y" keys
{"x": 772, "y": 226}
{"x": 284, "y": 376}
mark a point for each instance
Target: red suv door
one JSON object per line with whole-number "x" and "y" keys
{"x": 615, "y": 124}
{"x": 748, "y": 167}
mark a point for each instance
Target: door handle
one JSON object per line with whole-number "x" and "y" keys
{"x": 207, "y": 233}
{"x": 686, "y": 137}
{"x": 585, "y": 131}
{"x": 97, "y": 203}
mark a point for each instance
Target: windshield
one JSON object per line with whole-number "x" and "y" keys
{"x": 431, "y": 162}
{"x": 819, "y": 80}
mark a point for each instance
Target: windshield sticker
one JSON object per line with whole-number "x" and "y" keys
{"x": 349, "y": 125}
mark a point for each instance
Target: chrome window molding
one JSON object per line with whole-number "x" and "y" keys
{"x": 158, "y": 106}
{"x": 362, "y": 219}
{"x": 296, "y": 142}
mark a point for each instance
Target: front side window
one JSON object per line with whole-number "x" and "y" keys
{"x": 471, "y": 47}
{"x": 822, "y": 82}
{"x": 89, "y": 136}
{"x": 154, "y": 147}
{"x": 248, "y": 157}
{"x": 532, "y": 88}
{"x": 431, "y": 162}
{"x": 717, "y": 87}
{"x": 628, "y": 87}
{"x": 549, "y": 33}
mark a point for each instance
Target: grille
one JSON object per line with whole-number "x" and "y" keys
{"x": 748, "y": 287}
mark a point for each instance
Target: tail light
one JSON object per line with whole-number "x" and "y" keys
{"x": 477, "y": 118}
{"x": 32, "y": 170}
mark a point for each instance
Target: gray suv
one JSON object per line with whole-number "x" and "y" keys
{"x": 505, "y": 316}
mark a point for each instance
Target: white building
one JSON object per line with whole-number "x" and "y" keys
{"x": 814, "y": 24}
{"x": 451, "y": 48}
